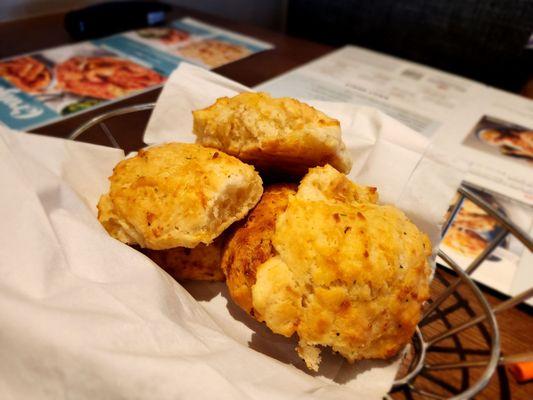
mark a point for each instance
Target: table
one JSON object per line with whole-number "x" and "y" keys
{"x": 516, "y": 325}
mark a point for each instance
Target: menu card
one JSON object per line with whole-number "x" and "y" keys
{"x": 49, "y": 85}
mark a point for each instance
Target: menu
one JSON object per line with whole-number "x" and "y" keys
{"x": 487, "y": 130}
{"x": 48, "y": 85}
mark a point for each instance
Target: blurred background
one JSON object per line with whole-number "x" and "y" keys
{"x": 481, "y": 40}
{"x": 266, "y": 13}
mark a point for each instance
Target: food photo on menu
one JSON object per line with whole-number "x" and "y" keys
{"x": 498, "y": 137}
{"x": 471, "y": 231}
{"x": 197, "y": 43}
{"x": 66, "y": 80}
{"x": 325, "y": 217}
{"x": 165, "y": 36}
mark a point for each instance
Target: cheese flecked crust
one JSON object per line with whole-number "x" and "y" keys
{"x": 251, "y": 244}
{"x": 344, "y": 271}
{"x": 177, "y": 195}
{"x": 272, "y": 133}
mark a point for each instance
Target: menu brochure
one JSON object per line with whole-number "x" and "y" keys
{"x": 48, "y": 85}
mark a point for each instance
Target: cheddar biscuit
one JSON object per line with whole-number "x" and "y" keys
{"x": 177, "y": 195}
{"x": 340, "y": 270}
{"x": 251, "y": 244}
{"x": 272, "y": 133}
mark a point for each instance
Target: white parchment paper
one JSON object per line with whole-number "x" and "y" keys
{"x": 84, "y": 316}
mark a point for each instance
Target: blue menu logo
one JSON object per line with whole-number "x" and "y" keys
{"x": 20, "y": 110}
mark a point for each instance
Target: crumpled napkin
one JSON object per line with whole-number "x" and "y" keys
{"x": 84, "y": 316}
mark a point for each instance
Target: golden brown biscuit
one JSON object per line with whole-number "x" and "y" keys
{"x": 325, "y": 183}
{"x": 177, "y": 195}
{"x": 272, "y": 133}
{"x": 201, "y": 263}
{"x": 342, "y": 272}
{"x": 111, "y": 221}
{"x": 251, "y": 244}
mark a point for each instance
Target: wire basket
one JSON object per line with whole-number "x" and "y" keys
{"x": 457, "y": 357}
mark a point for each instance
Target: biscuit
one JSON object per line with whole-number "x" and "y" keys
{"x": 250, "y": 245}
{"x": 341, "y": 271}
{"x": 201, "y": 263}
{"x": 274, "y": 134}
{"x": 325, "y": 183}
{"x": 111, "y": 221}
{"x": 177, "y": 195}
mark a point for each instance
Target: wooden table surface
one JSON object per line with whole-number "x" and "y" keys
{"x": 516, "y": 325}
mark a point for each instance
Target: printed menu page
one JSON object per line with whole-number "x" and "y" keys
{"x": 53, "y": 84}
{"x": 488, "y": 130}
